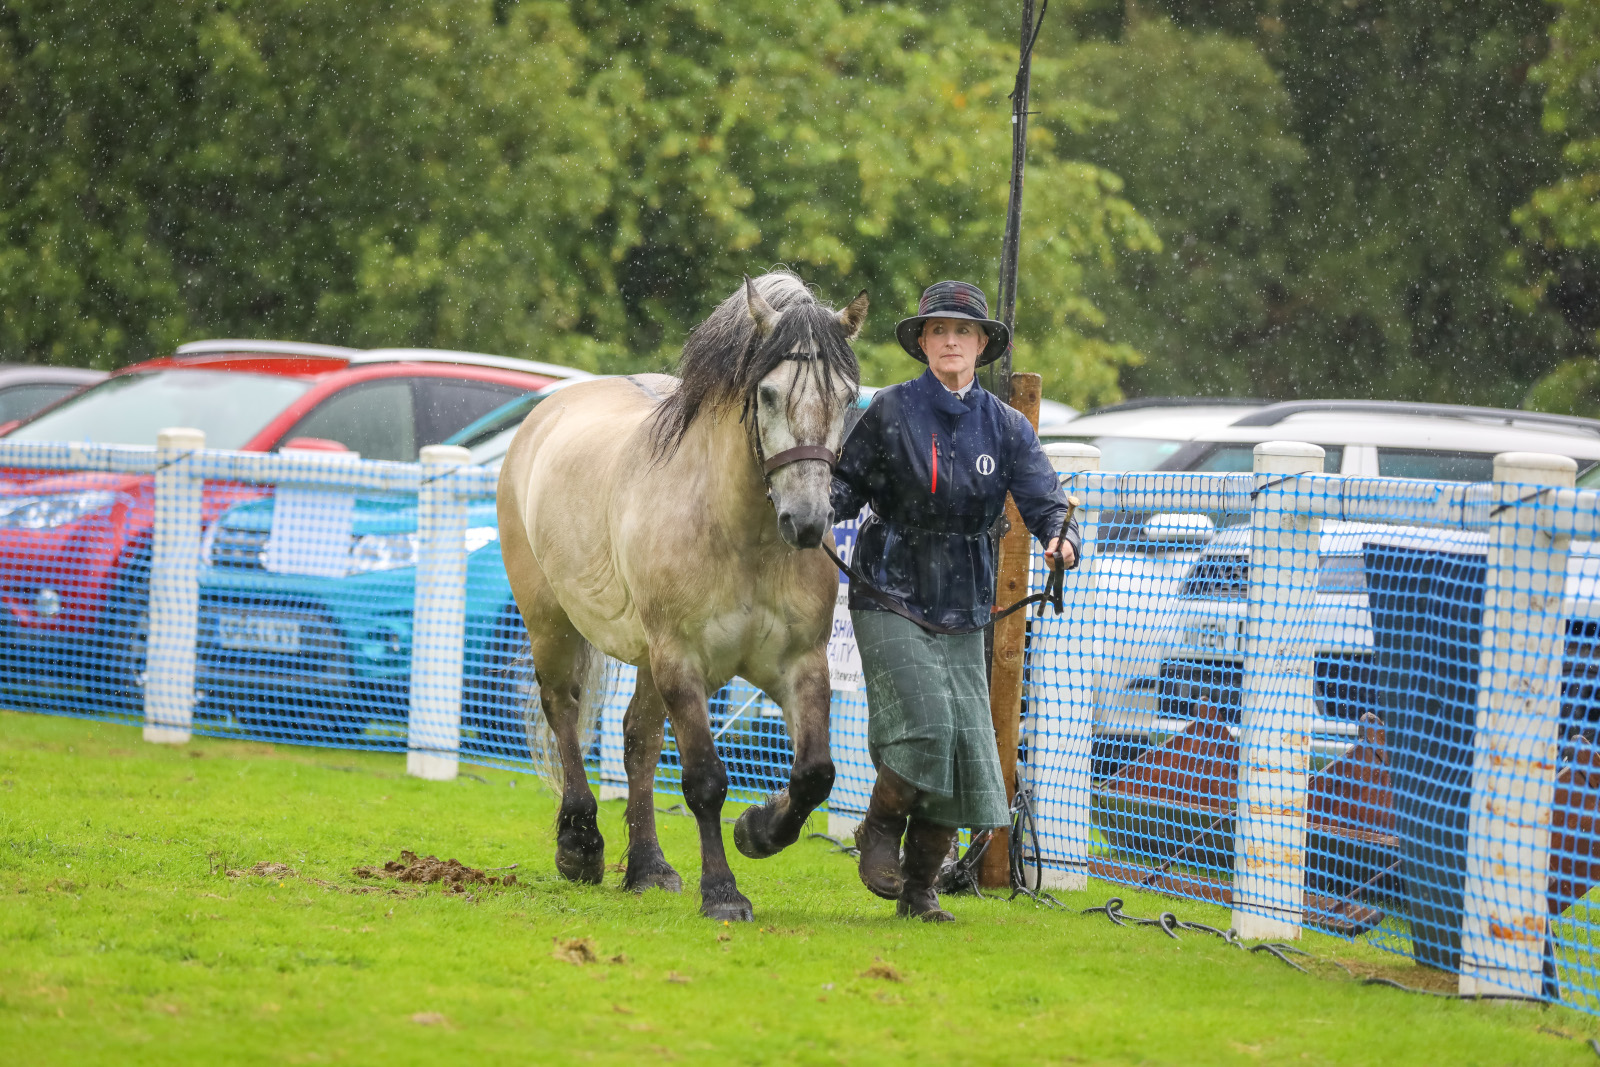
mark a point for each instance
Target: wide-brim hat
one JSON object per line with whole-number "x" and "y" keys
{"x": 953, "y": 300}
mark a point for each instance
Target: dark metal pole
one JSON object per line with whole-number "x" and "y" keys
{"x": 1003, "y": 651}
{"x": 1006, "y": 298}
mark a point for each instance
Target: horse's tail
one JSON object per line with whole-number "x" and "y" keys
{"x": 594, "y": 683}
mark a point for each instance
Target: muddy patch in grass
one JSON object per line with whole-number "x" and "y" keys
{"x": 579, "y": 950}
{"x": 886, "y": 972}
{"x": 283, "y": 871}
{"x": 454, "y": 875}
{"x": 264, "y": 870}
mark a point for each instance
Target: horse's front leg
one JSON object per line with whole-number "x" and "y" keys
{"x": 705, "y": 784}
{"x": 803, "y": 694}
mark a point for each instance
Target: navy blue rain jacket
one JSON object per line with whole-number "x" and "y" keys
{"x": 936, "y": 468}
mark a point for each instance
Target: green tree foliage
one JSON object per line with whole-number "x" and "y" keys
{"x": 1558, "y": 264}
{"x": 374, "y": 174}
{"x": 862, "y": 148}
{"x": 577, "y": 181}
{"x": 1369, "y": 267}
{"x": 1197, "y": 124}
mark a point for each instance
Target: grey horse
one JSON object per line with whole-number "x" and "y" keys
{"x": 676, "y": 524}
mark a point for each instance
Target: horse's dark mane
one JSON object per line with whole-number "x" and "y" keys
{"x": 723, "y": 362}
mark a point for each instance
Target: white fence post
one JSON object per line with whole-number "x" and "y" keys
{"x": 1269, "y": 841}
{"x": 613, "y": 741}
{"x": 174, "y": 590}
{"x": 1059, "y": 757}
{"x": 438, "y": 618}
{"x": 1516, "y": 741}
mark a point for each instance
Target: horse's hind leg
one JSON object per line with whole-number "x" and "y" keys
{"x": 705, "y": 784}
{"x": 559, "y": 666}
{"x": 561, "y": 656}
{"x": 642, "y": 729}
{"x": 804, "y": 695}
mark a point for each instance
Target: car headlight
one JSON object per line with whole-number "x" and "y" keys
{"x": 48, "y": 512}
{"x": 382, "y": 552}
{"x": 387, "y": 552}
{"x": 479, "y": 536}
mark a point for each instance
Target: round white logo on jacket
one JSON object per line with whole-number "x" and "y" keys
{"x": 986, "y": 465}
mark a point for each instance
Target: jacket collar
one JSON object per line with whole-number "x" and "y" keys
{"x": 932, "y": 392}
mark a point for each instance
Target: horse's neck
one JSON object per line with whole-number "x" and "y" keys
{"x": 733, "y": 490}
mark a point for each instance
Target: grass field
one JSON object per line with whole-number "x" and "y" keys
{"x": 123, "y": 939}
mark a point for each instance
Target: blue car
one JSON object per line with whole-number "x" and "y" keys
{"x": 323, "y": 651}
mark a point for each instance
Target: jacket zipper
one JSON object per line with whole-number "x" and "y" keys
{"x": 935, "y": 488}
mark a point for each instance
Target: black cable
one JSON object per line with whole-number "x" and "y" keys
{"x": 838, "y": 845}
{"x": 1170, "y": 924}
{"x": 1022, "y": 828}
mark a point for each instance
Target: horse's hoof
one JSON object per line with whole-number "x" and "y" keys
{"x": 654, "y": 876}
{"x": 588, "y": 868}
{"x": 736, "y": 910}
{"x": 750, "y": 837}
{"x": 581, "y": 855}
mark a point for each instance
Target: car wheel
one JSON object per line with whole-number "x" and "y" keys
{"x": 288, "y": 714}
{"x": 117, "y": 672}
{"x": 494, "y": 695}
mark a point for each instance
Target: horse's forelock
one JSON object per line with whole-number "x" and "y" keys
{"x": 724, "y": 361}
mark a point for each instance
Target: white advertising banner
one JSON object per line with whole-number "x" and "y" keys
{"x": 844, "y": 658}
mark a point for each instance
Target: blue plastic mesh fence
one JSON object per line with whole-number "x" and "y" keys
{"x": 1367, "y": 706}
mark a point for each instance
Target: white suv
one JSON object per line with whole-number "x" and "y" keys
{"x": 1173, "y": 586}
{"x": 1141, "y": 435}
{"x": 1388, "y": 439}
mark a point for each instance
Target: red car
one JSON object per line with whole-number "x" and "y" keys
{"x": 75, "y": 546}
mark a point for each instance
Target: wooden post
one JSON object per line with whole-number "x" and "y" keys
{"x": 1005, "y": 679}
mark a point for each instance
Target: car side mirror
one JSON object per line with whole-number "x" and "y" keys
{"x": 1173, "y": 529}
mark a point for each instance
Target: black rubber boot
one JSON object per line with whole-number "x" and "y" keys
{"x": 878, "y": 836}
{"x": 927, "y": 844}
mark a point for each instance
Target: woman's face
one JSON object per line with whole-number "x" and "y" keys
{"x": 952, "y": 347}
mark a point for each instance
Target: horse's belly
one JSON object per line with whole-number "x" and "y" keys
{"x": 621, "y": 638}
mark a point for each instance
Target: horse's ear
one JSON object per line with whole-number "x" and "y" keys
{"x": 761, "y": 312}
{"x": 853, "y": 315}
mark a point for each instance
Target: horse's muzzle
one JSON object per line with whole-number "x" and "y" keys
{"x": 803, "y": 528}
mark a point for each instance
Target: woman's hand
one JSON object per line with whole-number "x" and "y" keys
{"x": 1059, "y": 553}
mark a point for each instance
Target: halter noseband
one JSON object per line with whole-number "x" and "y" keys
{"x": 794, "y": 455}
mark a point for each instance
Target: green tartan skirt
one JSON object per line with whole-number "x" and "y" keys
{"x": 928, "y": 718}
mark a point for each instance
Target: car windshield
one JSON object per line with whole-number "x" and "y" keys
{"x": 229, "y": 407}
{"x": 1129, "y": 453}
{"x": 508, "y": 416}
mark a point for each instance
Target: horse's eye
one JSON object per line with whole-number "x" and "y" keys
{"x": 769, "y": 394}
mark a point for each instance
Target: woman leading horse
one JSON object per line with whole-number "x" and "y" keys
{"x": 934, "y": 458}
